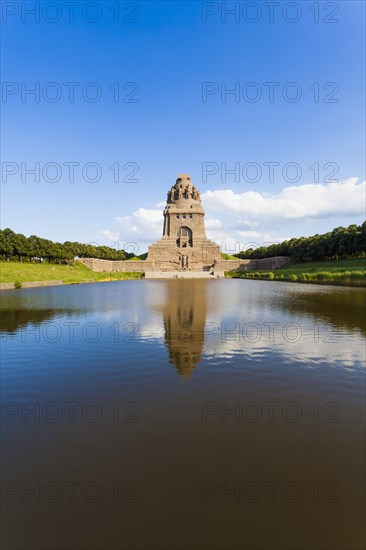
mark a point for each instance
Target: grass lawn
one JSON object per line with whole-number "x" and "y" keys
{"x": 347, "y": 272}
{"x": 331, "y": 266}
{"x": 24, "y": 272}
{"x": 225, "y": 256}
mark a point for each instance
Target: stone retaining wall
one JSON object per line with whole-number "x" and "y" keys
{"x": 242, "y": 265}
{"x": 231, "y": 265}
{"x": 272, "y": 263}
{"x": 116, "y": 265}
{"x": 149, "y": 265}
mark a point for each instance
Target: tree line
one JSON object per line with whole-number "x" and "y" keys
{"x": 15, "y": 246}
{"x": 342, "y": 242}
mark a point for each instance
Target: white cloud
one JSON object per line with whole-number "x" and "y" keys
{"x": 142, "y": 227}
{"x": 212, "y": 223}
{"x": 295, "y": 202}
{"x": 110, "y": 235}
{"x": 252, "y": 219}
{"x": 249, "y": 233}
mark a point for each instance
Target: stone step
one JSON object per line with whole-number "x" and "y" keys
{"x": 182, "y": 275}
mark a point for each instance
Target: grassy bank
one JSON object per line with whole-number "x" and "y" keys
{"x": 19, "y": 272}
{"x": 225, "y": 256}
{"x": 340, "y": 272}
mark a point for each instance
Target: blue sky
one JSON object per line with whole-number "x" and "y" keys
{"x": 160, "y": 55}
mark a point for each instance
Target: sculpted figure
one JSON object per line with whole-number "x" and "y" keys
{"x": 180, "y": 193}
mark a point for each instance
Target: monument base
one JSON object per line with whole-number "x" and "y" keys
{"x": 164, "y": 255}
{"x": 184, "y": 275}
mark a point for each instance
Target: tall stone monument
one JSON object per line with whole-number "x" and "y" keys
{"x": 184, "y": 245}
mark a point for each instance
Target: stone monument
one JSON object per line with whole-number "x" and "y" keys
{"x": 184, "y": 250}
{"x": 184, "y": 245}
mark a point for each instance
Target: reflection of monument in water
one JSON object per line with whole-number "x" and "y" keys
{"x": 184, "y": 322}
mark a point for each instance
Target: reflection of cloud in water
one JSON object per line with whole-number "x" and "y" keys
{"x": 330, "y": 320}
{"x": 184, "y": 313}
{"x": 253, "y": 320}
{"x": 346, "y": 350}
{"x": 339, "y": 307}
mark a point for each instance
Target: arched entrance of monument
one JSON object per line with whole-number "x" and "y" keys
{"x": 184, "y": 237}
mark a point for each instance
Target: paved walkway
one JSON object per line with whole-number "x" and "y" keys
{"x": 182, "y": 275}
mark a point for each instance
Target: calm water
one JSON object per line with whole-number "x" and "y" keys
{"x": 183, "y": 415}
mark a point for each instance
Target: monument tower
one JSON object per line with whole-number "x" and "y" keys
{"x": 184, "y": 245}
